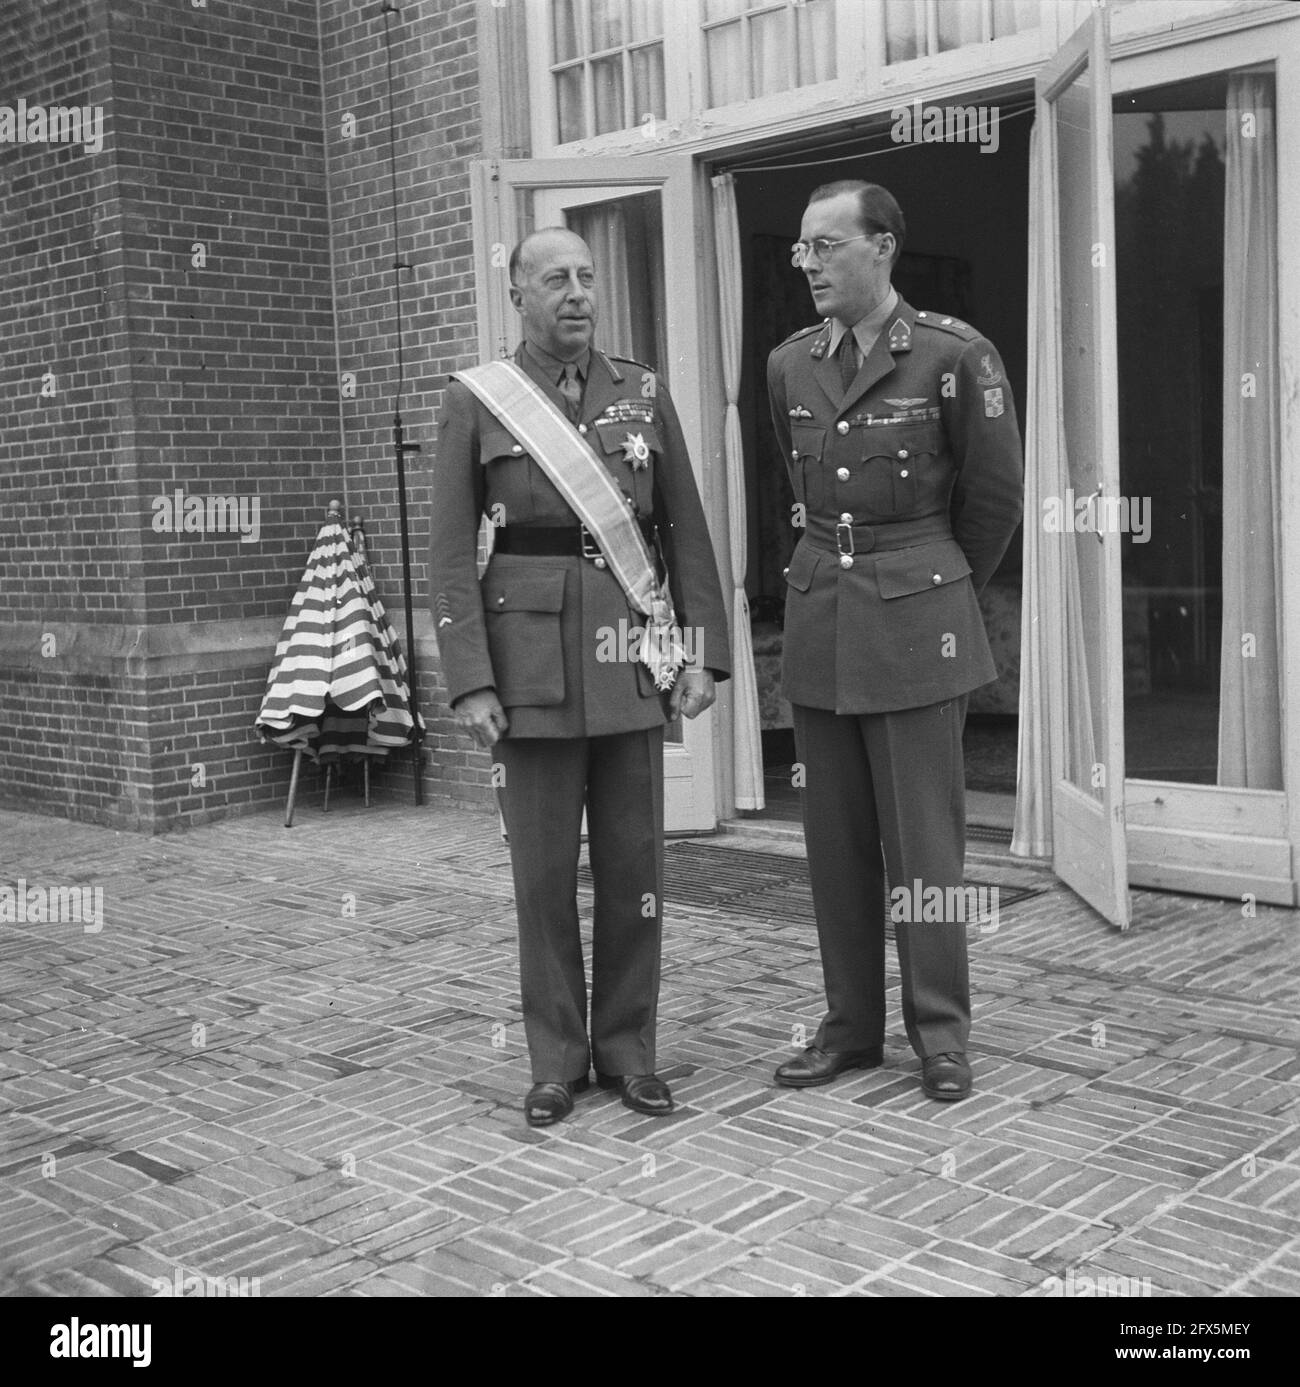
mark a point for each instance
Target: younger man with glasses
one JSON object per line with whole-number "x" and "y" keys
{"x": 900, "y": 436}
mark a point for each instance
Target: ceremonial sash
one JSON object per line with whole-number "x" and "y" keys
{"x": 582, "y": 478}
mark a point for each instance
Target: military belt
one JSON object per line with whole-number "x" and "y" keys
{"x": 557, "y": 540}
{"x": 847, "y": 539}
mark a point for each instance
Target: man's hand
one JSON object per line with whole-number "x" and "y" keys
{"x": 481, "y": 715}
{"x": 692, "y": 693}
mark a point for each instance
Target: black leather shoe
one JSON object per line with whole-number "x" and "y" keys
{"x": 816, "y": 1066}
{"x": 946, "y": 1077}
{"x": 645, "y": 1093}
{"x": 547, "y": 1103}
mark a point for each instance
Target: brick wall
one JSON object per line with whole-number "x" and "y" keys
{"x": 437, "y": 123}
{"x": 178, "y": 287}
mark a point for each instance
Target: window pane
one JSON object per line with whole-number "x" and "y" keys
{"x": 648, "y": 82}
{"x": 960, "y": 24}
{"x": 1015, "y": 16}
{"x": 568, "y": 104}
{"x": 724, "y": 9}
{"x": 606, "y": 24}
{"x": 565, "y": 25}
{"x": 607, "y": 84}
{"x": 726, "y": 62}
{"x": 769, "y": 49}
{"x": 816, "y": 21}
{"x": 904, "y": 30}
{"x": 645, "y": 20}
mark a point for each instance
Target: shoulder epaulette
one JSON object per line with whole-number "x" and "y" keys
{"x": 803, "y": 332}
{"x": 946, "y": 324}
{"x": 631, "y": 361}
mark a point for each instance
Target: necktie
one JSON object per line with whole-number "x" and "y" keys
{"x": 848, "y": 355}
{"x": 571, "y": 389}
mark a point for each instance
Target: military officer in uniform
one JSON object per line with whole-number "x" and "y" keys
{"x": 901, "y": 441}
{"x": 536, "y": 664}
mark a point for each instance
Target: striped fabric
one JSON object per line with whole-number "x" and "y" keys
{"x": 338, "y": 682}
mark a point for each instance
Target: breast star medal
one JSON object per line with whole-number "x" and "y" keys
{"x": 636, "y": 451}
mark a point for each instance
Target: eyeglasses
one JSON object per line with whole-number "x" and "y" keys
{"x": 822, "y": 248}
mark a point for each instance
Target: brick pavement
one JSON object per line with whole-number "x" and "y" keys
{"x": 297, "y": 1056}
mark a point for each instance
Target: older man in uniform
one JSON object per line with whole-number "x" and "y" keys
{"x": 540, "y": 663}
{"x": 900, "y": 436}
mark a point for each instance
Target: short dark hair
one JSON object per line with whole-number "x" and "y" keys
{"x": 877, "y": 208}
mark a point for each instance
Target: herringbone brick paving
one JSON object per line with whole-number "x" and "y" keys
{"x": 298, "y": 1056}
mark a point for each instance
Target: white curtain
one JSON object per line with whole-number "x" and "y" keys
{"x": 604, "y": 229}
{"x": 746, "y": 738}
{"x": 1250, "y": 749}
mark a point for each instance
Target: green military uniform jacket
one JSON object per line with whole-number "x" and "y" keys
{"x": 540, "y": 629}
{"x": 912, "y": 487}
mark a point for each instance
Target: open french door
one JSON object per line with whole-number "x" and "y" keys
{"x": 639, "y": 216}
{"x": 1080, "y": 457}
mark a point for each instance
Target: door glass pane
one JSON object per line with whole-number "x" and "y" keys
{"x": 1081, "y": 329}
{"x": 1196, "y": 295}
{"x": 627, "y": 248}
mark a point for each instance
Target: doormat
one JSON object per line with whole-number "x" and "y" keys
{"x": 761, "y": 885}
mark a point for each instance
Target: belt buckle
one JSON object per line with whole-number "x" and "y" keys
{"x": 590, "y": 549}
{"x": 841, "y": 530}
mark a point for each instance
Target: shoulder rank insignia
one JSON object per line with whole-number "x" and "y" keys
{"x": 953, "y": 325}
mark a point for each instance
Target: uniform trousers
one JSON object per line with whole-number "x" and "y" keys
{"x": 546, "y": 783}
{"x": 893, "y": 781}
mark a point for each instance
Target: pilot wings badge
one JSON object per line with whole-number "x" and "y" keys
{"x": 905, "y": 404}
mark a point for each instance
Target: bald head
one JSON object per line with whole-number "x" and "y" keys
{"x": 553, "y": 289}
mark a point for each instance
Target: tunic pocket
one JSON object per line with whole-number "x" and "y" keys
{"x": 807, "y": 445}
{"x": 900, "y": 463}
{"x": 522, "y": 613}
{"x": 906, "y": 572}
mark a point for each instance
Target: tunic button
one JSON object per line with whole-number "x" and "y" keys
{"x": 794, "y": 454}
{"x": 600, "y": 563}
{"x": 902, "y": 452}
{"x": 846, "y": 518}
{"x": 582, "y": 428}
{"x": 842, "y": 473}
{"x": 842, "y": 426}
{"x": 846, "y": 561}
{"x": 935, "y": 578}
{"x": 517, "y": 448}
{"x": 501, "y": 601}
{"x": 903, "y": 472}
{"x": 785, "y": 573}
